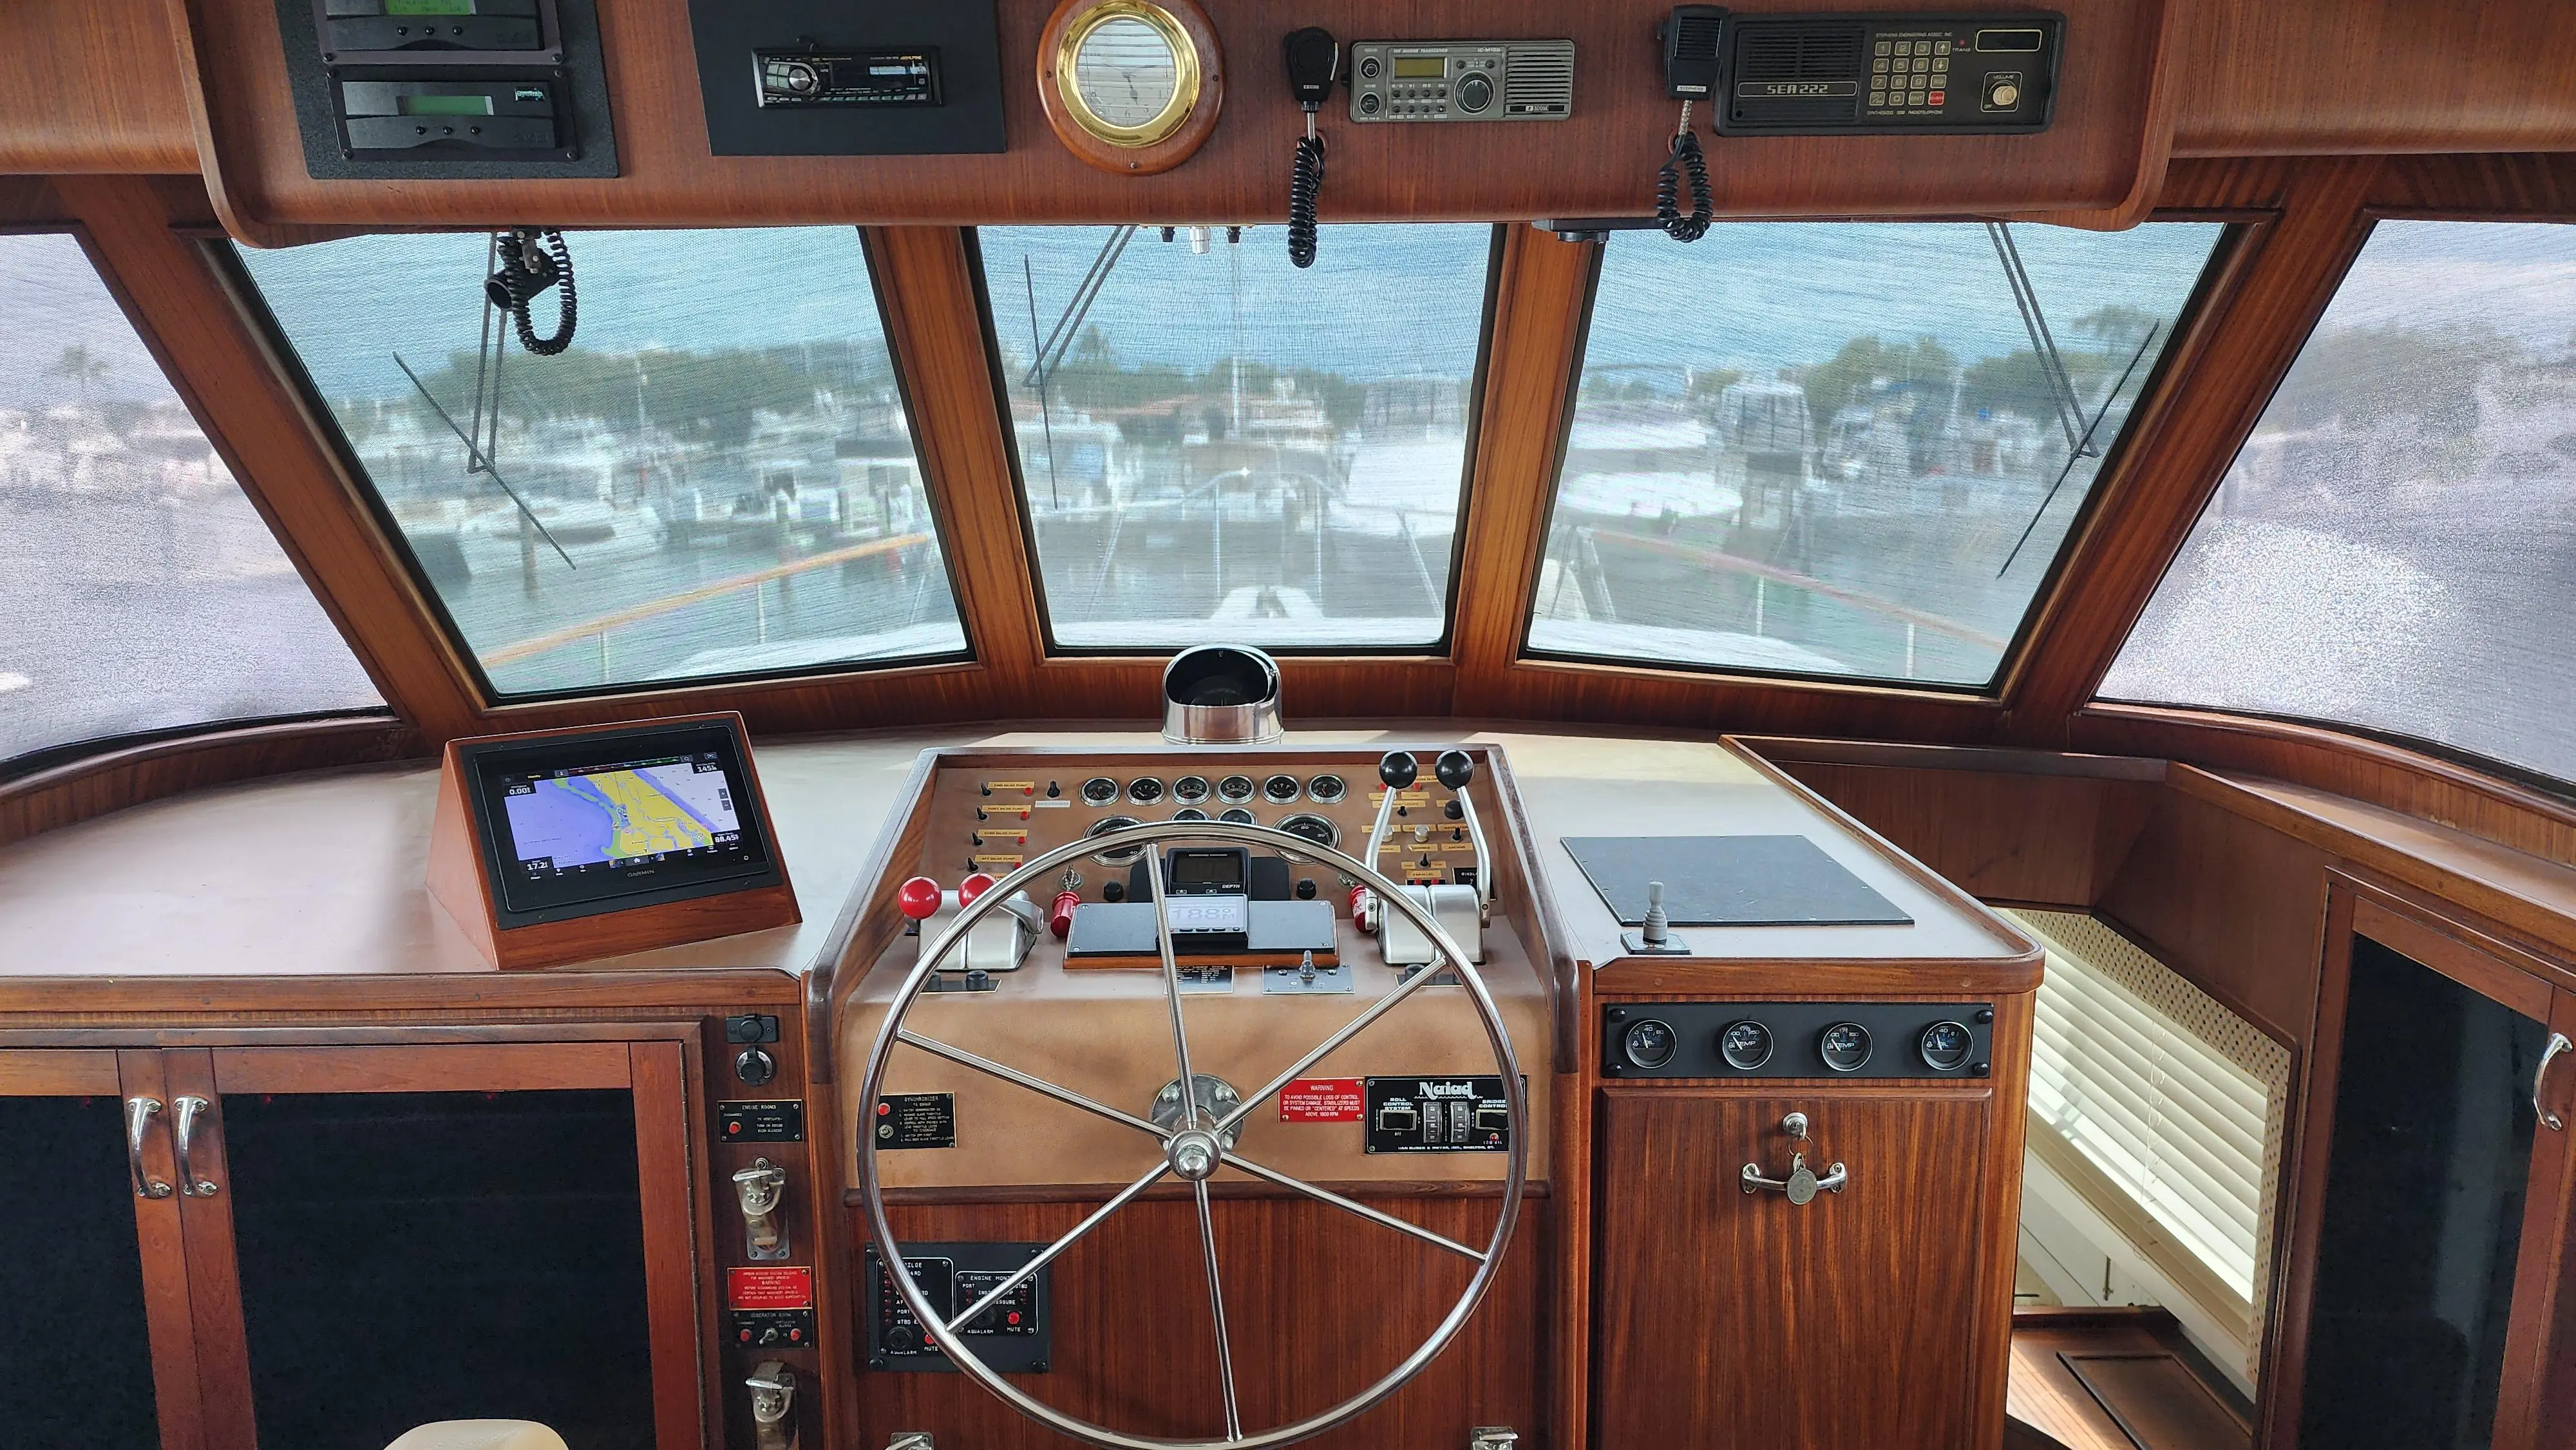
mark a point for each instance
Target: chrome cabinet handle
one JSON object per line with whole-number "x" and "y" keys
{"x": 1801, "y": 1185}
{"x": 184, "y": 1131}
{"x": 139, "y": 1113}
{"x": 2558, "y": 1043}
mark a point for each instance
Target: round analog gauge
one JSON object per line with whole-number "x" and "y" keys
{"x": 1238, "y": 817}
{"x": 1100, "y": 790}
{"x": 1314, "y": 828}
{"x": 1649, "y": 1044}
{"x": 1123, "y": 854}
{"x": 1844, "y": 1047}
{"x": 1744, "y": 1045}
{"x": 1144, "y": 790}
{"x": 1945, "y": 1046}
{"x": 1234, "y": 790}
{"x": 1128, "y": 73}
{"x": 1189, "y": 790}
{"x": 1323, "y": 790}
{"x": 1281, "y": 789}
{"x": 1189, "y": 813}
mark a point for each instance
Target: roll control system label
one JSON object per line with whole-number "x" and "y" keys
{"x": 1438, "y": 1115}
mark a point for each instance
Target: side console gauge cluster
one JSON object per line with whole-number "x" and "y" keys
{"x": 1798, "y": 1040}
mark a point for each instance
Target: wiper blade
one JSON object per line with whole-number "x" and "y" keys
{"x": 480, "y": 461}
{"x": 2085, "y": 448}
{"x": 1068, "y": 325}
{"x": 2043, "y": 343}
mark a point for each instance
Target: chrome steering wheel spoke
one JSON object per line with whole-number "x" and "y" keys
{"x": 1031, "y": 1081}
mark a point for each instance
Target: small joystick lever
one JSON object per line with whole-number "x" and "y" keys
{"x": 1454, "y": 769}
{"x": 1654, "y": 935}
{"x": 1399, "y": 770}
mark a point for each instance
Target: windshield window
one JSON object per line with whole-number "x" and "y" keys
{"x": 1846, "y": 449}
{"x": 717, "y": 478}
{"x": 1217, "y": 446}
{"x": 2395, "y": 546}
{"x": 139, "y": 590}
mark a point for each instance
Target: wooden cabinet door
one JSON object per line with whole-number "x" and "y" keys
{"x": 94, "y": 1339}
{"x": 387, "y": 1235}
{"x": 1729, "y": 1319}
{"x": 2537, "y": 1406}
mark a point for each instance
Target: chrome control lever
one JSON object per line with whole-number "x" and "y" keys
{"x": 773, "y": 1406}
{"x": 1800, "y": 1184}
{"x": 139, "y": 1113}
{"x": 1456, "y": 769}
{"x": 759, "y": 1190}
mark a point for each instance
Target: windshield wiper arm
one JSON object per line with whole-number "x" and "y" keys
{"x": 1069, "y": 324}
{"x": 477, "y": 457}
{"x": 2084, "y": 450}
{"x": 2043, "y": 343}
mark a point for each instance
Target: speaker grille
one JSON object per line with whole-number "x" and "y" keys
{"x": 1538, "y": 80}
{"x": 1804, "y": 53}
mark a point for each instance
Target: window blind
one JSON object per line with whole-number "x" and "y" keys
{"x": 2175, "y": 1103}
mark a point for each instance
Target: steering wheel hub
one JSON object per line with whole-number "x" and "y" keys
{"x": 1194, "y": 1154}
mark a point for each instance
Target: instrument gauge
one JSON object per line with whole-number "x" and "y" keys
{"x": 1745, "y": 1045}
{"x": 1649, "y": 1044}
{"x": 1281, "y": 789}
{"x": 1238, "y": 817}
{"x": 1844, "y": 1047}
{"x": 1100, "y": 790}
{"x": 1323, "y": 790}
{"x": 1189, "y": 813}
{"x": 1314, "y": 828}
{"x": 1123, "y": 854}
{"x": 1234, "y": 790}
{"x": 1189, "y": 790}
{"x": 1945, "y": 1046}
{"x": 1144, "y": 790}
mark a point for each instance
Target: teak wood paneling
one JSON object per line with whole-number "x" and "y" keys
{"x": 1319, "y": 1304}
{"x": 1866, "y": 1317}
{"x": 1602, "y": 160}
{"x": 120, "y": 776}
{"x": 86, "y": 86}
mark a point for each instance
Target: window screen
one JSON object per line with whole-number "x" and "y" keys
{"x": 1217, "y": 446}
{"x": 717, "y": 478}
{"x": 1845, "y": 449}
{"x": 2163, "y": 1108}
{"x": 139, "y": 590}
{"x": 2395, "y": 546}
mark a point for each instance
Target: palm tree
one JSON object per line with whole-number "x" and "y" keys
{"x": 82, "y": 366}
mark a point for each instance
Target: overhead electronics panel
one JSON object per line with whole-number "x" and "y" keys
{"x": 1810, "y": 75}
{"x": 813, "y": 78}
{"x": 448, "y": 90}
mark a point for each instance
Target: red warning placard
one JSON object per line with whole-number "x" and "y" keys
{"x": 1321, "y": 1100}
{"x": 769, "y": 1288}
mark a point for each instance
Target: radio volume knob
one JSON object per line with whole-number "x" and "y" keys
{"x": 1475, "y": 93}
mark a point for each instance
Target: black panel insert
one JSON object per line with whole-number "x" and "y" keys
{"x": 75, "y": 1354}
{"x": 1888, "y": 74}
{"x": 377, "y": 95}
{"x": 849, "y": 77}
{"x": 1789, "y": 1039}
{"x": 1013, "y": 1336}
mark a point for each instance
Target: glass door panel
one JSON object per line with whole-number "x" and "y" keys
{"x": 75, "y": 1339}
{"x": 2426, "y": 1184}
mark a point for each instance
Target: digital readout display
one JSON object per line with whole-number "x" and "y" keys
{"x": 1418, "y": 67}
{"x": 417, "y": 105}
{"x": 619, "y": 816}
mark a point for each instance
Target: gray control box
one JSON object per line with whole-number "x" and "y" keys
{"x": 1462, "y": 80}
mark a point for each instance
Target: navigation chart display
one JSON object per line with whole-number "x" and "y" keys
{"x": 620, "y": 817}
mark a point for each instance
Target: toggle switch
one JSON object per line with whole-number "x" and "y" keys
{"x": 758, "y": 1191}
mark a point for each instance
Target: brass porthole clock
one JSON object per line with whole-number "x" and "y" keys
{"x": 1131, "y": 86}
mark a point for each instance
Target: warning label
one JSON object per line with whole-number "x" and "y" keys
{"x": 769, "y": 1288}
{"x": 1321, "y": 1100}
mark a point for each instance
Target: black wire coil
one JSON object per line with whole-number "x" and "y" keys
{"x": 1685, "y": 157}
{"x": 1305, "y": 186}
{"x": 525, "y": 282}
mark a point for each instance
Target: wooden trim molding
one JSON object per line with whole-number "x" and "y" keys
{"x": 121, "y": 776}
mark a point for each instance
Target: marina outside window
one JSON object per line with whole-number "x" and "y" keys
{"x": 1217, "y": 446}
{"x": 716, "y": 479}
{"x": 139, "y": 590}
{"x": 1846, "y": 449}
{"x": 2394, "y": 547}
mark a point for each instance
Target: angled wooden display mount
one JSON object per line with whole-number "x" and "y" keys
{"x": 461, "y": 871}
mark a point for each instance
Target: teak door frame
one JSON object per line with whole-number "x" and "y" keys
{"x": 2534, "y": 1402}
{"x": 656, "y": 1063}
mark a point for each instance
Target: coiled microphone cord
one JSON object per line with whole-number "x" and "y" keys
{"x": 523, "y": 275}
{"x": 1305, "y": 186}
{"x": 1685, "y": 157}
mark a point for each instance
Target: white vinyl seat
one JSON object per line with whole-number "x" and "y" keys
{"x": 479, "y": 1435}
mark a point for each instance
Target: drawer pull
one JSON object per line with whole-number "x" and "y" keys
{"x": 2558, "y": 1043}
{"x": 184, "y": 1131}
{"x": 139, "y": 1113}
{"x": 1800, "y": 1183}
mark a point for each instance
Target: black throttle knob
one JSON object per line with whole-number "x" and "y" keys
{"x": 1455, "y": 768}
{"x": 1398, "y": 769}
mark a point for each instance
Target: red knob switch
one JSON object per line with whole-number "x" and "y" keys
{"x": 918, "y": 898}
{"x": 972, "y": 887}
{"x": 1060, "y": 920}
